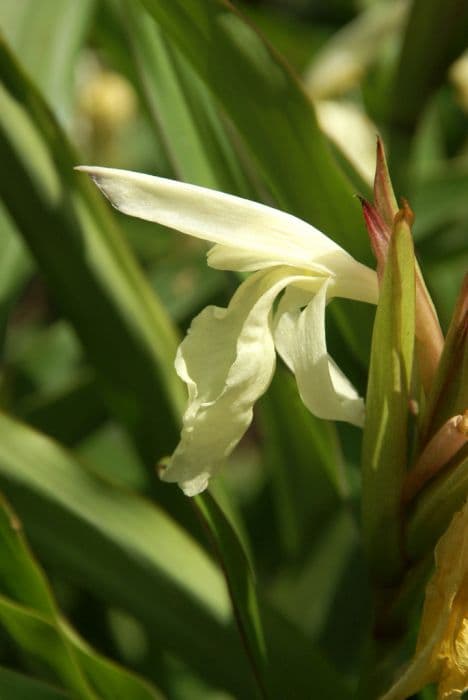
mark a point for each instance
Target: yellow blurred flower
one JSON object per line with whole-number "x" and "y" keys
{"x": 442, "y": 649}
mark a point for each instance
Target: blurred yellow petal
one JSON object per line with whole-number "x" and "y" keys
{"x": 442, "y": 650}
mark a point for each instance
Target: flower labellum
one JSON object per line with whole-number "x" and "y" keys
{"x": 228, "y": 356}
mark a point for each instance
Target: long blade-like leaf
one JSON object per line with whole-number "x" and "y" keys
{"x": 126, "y": 550}
{"x": 29, "y": 613}
{"x": 270, "y": 110}
{"x": 181, "y": 108}
{"x": 125, "y": 332}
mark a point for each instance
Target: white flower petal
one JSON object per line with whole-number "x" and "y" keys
{"x": 227, "y": 361}
{"x": 349, "y": 278}
{"x": 301, "y": 342}
{"x": 270, "y": 235}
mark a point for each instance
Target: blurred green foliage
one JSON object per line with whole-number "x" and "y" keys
{"x": 92, "y": 306}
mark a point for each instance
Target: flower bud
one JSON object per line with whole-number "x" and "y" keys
{"x": 383, "y": 218}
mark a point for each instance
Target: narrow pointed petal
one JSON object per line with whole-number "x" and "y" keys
{"x": 300, "y": 340}
{"x": 270, "y": 235}
{"x": 227, "y": 361}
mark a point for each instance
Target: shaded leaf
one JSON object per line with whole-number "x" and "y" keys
{"x": 29, "y": 613}
{"x": 88, "y": 266}
{"x": 16, "y": 686}
{"x": 274, "y": 116}
{"x": 181, "y": 108}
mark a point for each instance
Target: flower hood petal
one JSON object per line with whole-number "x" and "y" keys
{"x": 271, "y": 236}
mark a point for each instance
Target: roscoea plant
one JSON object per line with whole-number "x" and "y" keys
{"x": 415, "y": 431}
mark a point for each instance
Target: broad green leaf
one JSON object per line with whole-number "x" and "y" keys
{"x": 29, "y": 613}
{"x": 17, "y": 686}
{"x": 129, "y": 552}
{"x": 241, "y": 586}
{"x": 126, "y": 551}
{"x": 271, "y": 112}
{"x": 47, "y": 35}
{"x": 385, "y": 445}
{"x": 124, "y": 330}
{"x": 181, "y": 108}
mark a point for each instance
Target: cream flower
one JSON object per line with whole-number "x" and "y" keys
{"x": 228, "y": 357}
{"x": 442, "y": 649}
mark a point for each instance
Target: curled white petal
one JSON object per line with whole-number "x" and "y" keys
{"x": 300, "y": 340}
{"x": 227, "y": 360}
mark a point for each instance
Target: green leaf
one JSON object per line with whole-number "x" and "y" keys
{"x": 385, "y": 440}
{"x": 126, "y": 551}
{"x": 124, "y": 330}
{"x": 16, "y": 686}
{"x": 271, "y": 112}
{"x": 129, "y": 552}
{"x": 181, "y": 108}
{"x": 29, "y": 613}
{"x": 241, "y": 585}
{"x": 48, "y": 36}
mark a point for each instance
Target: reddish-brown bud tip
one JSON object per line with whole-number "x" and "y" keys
{"x": 404, "y": 214}
{"x": 379, "y": 232}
